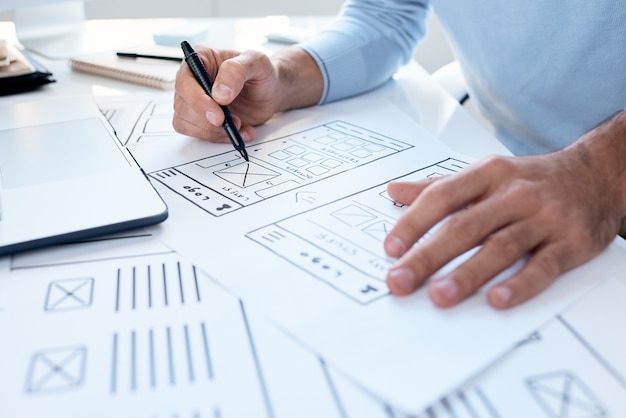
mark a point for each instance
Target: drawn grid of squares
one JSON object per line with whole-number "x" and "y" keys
{"x": 224, "y": 183}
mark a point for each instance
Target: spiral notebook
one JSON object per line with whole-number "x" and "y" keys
{"x": 159, "y": 74}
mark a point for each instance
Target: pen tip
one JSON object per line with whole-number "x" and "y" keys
{"x": 244, "y": 154}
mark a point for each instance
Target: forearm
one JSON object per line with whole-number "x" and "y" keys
{"x": 366, "y": 44}
{"x": 300, "y": 79}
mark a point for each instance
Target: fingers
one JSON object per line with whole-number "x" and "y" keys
{"x": 541, "y": 270}
{"x": 188, "y": 121}
{"x": 198, "y": 115}
{"x": 497, "y": 253}
{"x": 405, "y": 192}
{"x": 500, "y": 221}
{"x": 430, "y": 203}
{"x": 191, "y": 108}
{"x": 460, "y": 233}
{"x": 247, "y": 67}
{"x": 507, "y": 210}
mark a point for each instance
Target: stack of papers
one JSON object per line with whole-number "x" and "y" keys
{"x": 263, "y": 294}
{"x": 19, "y": 72}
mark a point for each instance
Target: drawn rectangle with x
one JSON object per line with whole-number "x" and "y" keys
{"x": 245, "y": 175}
{"x": 563, "y": 395}
{"x": 353, "y": 215}
{"x": 69, "y": 294}
{"x": 56, "y": 369}
{"x": 379, "y": 230}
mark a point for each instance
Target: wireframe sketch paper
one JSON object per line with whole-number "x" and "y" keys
{"x": 298, "y": 232}
{"x": 124, "y": 326}
{"x": 571, "y": 367}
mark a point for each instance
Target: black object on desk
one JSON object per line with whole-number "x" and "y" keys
{"x": 203, "y": 77}
{"x": 23, "y": 81}
{"x": 133, "y": 55}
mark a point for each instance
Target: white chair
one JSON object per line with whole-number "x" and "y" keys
{"x": 450, "y": 77}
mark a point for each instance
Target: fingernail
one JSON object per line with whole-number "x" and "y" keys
{"x": 394, "y": 247}
{"x": 221, "y": 91}
{"x": 247, "y": 137}
{"x": 401, "y": 280}
{"x": 210, "y": 116}
{"x": 446, "y": 288}
{"x": 501, "y": 295}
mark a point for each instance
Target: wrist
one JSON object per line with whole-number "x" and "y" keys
{"x": 603, "y": 150}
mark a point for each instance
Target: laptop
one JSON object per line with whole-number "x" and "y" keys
{"x": 64, "y": 176}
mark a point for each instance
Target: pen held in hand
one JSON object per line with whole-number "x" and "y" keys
{"x": 204, "y": 79}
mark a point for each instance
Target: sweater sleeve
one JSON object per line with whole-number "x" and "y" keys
{"x": 366, "y": 44}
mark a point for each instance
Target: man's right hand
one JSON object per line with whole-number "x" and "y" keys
{"x": 251, "y": 84}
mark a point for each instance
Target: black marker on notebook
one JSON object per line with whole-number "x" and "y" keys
{"x": 203, "y": 77}
{"x": 133, "y": 55}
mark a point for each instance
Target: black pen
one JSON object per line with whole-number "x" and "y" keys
{"x": 203, "y": 77}
{"x": 133, "y": 55}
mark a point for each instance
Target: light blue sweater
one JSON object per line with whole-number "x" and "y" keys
{"x": 544, "y": 72}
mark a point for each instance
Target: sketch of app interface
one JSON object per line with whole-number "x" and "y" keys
{"x": 341, "y": 243}
{"x": 167, "y": 340}
{"x": 222, "y": 183}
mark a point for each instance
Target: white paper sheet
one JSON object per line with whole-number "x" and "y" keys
{"x": 302, "y": 239}
{"x": 125, "y": 327}
{"x": 574, "y": 366}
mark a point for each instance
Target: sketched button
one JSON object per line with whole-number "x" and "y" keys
{"x": 56, "y": 369}
{"x": 563, "y": 394}
{"x": 69, "y": 294}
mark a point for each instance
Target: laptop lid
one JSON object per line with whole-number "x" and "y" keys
{"x": 64, "y": 176}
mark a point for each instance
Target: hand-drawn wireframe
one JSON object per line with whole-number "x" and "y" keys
{"x": 137, "y": 119}
{"x": 562, "y": 394}
{"x": 341, "y": 243}
{"x": 151, "y": 286}
{"x": 182, "y": 353}
{"x": 320, "y": 262}
{"x": 192, "y": 365}
{"x": 56, "y": 369}
{"x": 559, "y": 394}
{"x": 68, "y": 294}
{"x": 174, "y": 359}
{"x": 561, "y": 371}
{"x": 223, "y": 183}
{"x": 152, "y": 351}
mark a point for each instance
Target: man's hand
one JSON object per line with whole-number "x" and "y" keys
{"x": 253, "y": 86}
{"x": 559, "y": 209}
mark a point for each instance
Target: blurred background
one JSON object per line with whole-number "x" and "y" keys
{"x": 431, "y": 54}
